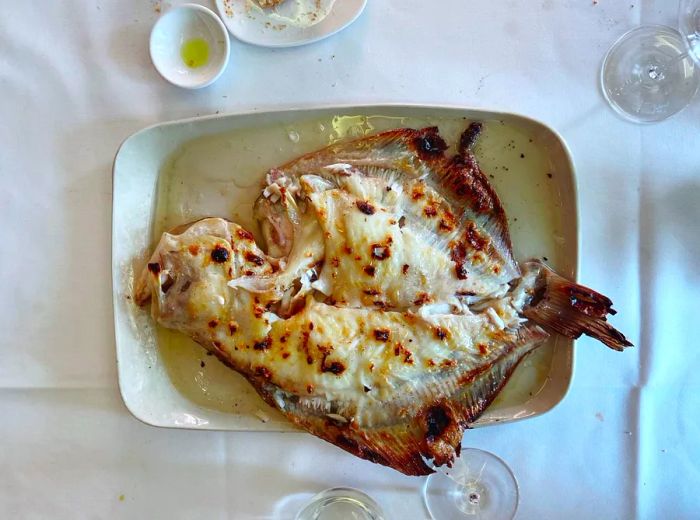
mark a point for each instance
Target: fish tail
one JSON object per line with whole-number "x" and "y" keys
{"x": 569, "y": 309}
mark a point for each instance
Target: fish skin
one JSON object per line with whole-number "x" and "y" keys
{"x": 395, "y": 384}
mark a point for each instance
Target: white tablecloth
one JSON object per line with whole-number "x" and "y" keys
{"x": 75, "y": 80}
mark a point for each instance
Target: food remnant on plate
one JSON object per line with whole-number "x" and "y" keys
{"x": 195, "y": 52}
{"x": 386, "y": 311}
{"x": 267, "y": 4}
{"x": 298, "y": 13}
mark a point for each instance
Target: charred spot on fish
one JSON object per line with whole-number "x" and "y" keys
{"x": 440, "y": 333}
{"x": 366, "y": 388}
{"x": 405, "y": 268}
{"x": 417, "y": 193}
{"x": 430, "y": 145}
{"x": 474, "y": 237}
{"x": 448, "y": 222}
{"x": 309, "y": 360}
{"x": 371, "y": 292}
{"x": 264, "y": 344}
{"x": 437, "y": 421}
{"x": 249, "y": 273}
{"x": 283, "y": 339}
{"x": 483, "y": 349}
{"x": 335, "y": 261}
{"x": 422, "y": 299}
{"x": 263, "y": 372}
{"x": 430, "y": 211}
{"x": 193, "y": 249}
{"x": 402, "y": 222}
{"x": 459, "y": 257}
{"x": 245, "y": 235}
{"x": 254, "y": 259}
{"x": 285, "y": 355}
{"x": 365, "y": 207}
{"x": 382, "y": 334}
{"x": 347, "y": 249}
{"x": 469, "y": 137}
{"x": 220, "y": 254}
{"x": 336, "y": 368}
{"x": 369, "y": 270}
{"x": 400, "y": 350}
{"x": 185, "y": 286}
{"x": 465, "y": 293}
{"x": 213, "y": 323}
{"x": 461, "y": 272}
{"x": 232, "y": 327}
{"x": 309, "y": 389}
{"x": 380, "y": 252}
{"x": 154, "y": 267}
{"x": 167, "y": 283}
{"x": 305, "y": 341}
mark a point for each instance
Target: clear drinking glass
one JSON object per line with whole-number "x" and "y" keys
{"x": 653, "y": 72}
{"x": 340, "y": 504}
{"x": 478, "y": 486}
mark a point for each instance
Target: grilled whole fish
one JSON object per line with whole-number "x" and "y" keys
{"x": 388, "y": 311}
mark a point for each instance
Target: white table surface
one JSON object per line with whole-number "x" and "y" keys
{"x": 75, "y": 80}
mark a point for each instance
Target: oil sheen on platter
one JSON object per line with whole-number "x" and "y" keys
{"x": 220, "y": 175}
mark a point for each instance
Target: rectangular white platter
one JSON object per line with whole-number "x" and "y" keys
{"x": 173, "y": 173}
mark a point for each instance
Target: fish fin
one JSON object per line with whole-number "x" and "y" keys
{"x": 404, "y": 149}
{"x": 571, "y": 309}
{"x": 483, "y": 217}
{"x": 469, "y": 137}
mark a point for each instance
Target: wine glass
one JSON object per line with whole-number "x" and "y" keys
{"x": 479, "y": 485}
{"x": 653, "y": 72}
{"x": 689, "y": 26}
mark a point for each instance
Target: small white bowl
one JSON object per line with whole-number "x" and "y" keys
{"x": 179, "y": 25}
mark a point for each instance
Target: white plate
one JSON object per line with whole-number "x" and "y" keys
{"x": 254, "y": 27}
{"x": 176, "y": 172}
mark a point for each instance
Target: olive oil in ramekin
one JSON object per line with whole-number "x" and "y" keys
{"x": 195, "y": 52}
